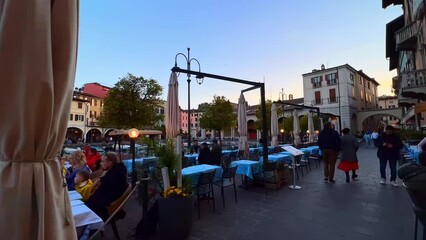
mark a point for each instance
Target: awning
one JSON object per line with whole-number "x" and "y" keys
{"x": 391, "y": 51}
{"x": 386, "y": 3}
{"x": 141, "y": 132}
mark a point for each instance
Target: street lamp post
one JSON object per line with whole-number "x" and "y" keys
{"x": 133, "y": 134}
{"x": 199, "y": 79}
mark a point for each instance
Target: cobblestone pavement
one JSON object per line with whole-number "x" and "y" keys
{"x": 358, "y": 210}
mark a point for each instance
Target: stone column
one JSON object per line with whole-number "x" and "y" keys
{"x": 203, "y": 133}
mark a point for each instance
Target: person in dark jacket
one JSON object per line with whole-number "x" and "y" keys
{"x": 348, "y": 157}
{"x": 216, "y": 153}
{"x": 329, "y": 143}
{"x": 108, "y": 188}
{"x": 204, "y": 157}
{"x": 195, "y": 148}
{"x": 388, "y": 146}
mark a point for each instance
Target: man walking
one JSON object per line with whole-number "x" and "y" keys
{"x": 388, "y": 146}
{"x": 329, "y": 143}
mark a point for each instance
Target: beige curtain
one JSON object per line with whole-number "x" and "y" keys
{"x": 38, "y": 50}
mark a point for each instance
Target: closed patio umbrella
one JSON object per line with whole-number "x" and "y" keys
{"x": 274, "y": 126}
{"x": 172, "y": 120}
{"x": 321, "y": 124}
{"x": 242, "y": 125}
{"x": 311, "y": 128}
{"x": 38, "y": 53}
{"x": 296, "y": 127}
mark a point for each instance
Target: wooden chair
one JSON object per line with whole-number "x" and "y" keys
{"x": 115, "y": 211}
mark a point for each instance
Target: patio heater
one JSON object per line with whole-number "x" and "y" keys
{"x": 133, "y": 134}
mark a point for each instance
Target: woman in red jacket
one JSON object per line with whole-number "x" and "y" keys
{"x": 92, "y": 158}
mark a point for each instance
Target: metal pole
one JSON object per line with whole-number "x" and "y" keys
{"x": 188, "y": 66}
{"x": 134, "y": 175}
{"x": 264, "y": 132}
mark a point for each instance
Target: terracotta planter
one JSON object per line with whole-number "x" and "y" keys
{"x": 175, "y": 217}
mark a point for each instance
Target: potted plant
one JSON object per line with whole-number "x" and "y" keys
{"x": 175, "y": 204}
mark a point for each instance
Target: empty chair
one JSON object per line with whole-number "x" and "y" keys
{"x": 204, "y": 188}
{"x": 227, "y": 180}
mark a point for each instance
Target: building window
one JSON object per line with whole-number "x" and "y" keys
{"x": 360, "y": 80}
{"x": 162, "y": 111}
{"x": 332, "y": 98}
{"x": 368, "y": 85}
{"x": 391, "y": 101}
{"x": 71, "y": 116}
{"x": 80, "y": 105}
{"x": 353, "y": 92}
{"x": 196, "y": 125}
{"x": 196, "y": 119}
{"x": 351, "y": 77}
{"x": 316, "y": 81}
{"x": 94, "y": 113}
{"x": 96, "y": 102}
{"x": 362, "y": 95}
{"x": 380, "y": 107}
{"x": 318, "y": 97}
{"x": 331, "y": 79}
{"x": 91, "y": 114}
{"x": 76, "y": 117}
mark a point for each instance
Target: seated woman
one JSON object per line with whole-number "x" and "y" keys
{"x": 109, "y": 187}
{"x": 92, "y": 158}
{"x": 83, "y": 184}
{"x": 204, "y": 156}
{"x": 78, "y": 164}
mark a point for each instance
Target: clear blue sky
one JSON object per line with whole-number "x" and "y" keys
{"x": 275, "y": 40}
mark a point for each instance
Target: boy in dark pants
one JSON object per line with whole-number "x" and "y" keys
{"x": 388, "y": 146}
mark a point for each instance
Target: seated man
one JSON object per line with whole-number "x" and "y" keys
{"x": 204, "y": 156}
{"x": 195, "y": 148}
{"x": 216, "y": 153}
{"x": 109, "y": 187}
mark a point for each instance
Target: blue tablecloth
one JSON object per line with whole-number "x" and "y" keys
{"x": 414, "y": 153}
{"x": 229, "y": 152}
{"x": 192, "y": 158}
{"x": 246, "y": 167}
{"x": 194, "y": 172}
{"x": 138, "y": 161}
{"x": 279, "y": 157}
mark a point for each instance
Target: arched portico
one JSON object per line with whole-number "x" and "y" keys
{"x": 368, "y": 114}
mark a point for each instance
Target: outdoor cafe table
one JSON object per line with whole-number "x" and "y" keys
{"x": 82, "y": 215}
{"x": 414, "y": 153}
{"x": 128, "y": 162}
{"x": 194, "y": 172}
{"x": 229, "y": 152}
{"x": 192, "y": 158}
{"x": 246, "y": 167}
{"x": 278, "y": 157}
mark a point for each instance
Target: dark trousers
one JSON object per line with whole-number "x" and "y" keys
{"x": 392, "y": 166}
{"x": 330, "y": 157}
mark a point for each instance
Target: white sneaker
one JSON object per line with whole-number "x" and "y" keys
{"x": 382, "y": 181}
{"x": 394, "y": 184}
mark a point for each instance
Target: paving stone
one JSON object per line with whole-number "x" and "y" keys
{"x": 359, "y": 210}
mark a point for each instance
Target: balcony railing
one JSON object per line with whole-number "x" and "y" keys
{"x": 406, "y": 37}
{"x": 413, "y": 79}
{"x": 332, "y": 100}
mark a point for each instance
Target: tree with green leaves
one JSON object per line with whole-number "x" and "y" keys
{"x": 218, "y": 115}
{"x": 132, "y": 102}
{"x": 203, "y": 106}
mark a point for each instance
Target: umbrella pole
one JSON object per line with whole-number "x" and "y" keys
{"x": 294, "y": 186}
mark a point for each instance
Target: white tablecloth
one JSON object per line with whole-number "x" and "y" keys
{"x": 74, "y": 195}
{"x": 84, "y": 216}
